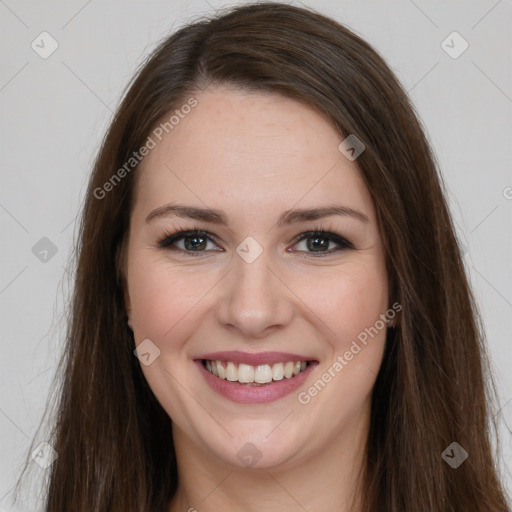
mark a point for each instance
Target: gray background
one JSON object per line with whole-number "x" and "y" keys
{"x": 54, "y": 112}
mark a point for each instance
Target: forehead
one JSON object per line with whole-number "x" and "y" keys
{"x": 250, "y": 152}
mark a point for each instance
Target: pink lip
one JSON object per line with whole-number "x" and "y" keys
{"x": 243, "y": 394}
{"x": 254, "y": 359}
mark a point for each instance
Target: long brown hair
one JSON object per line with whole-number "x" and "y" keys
{"x": 113, "y": 439}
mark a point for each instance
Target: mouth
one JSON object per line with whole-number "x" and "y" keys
{"x": 255, "y": 378}
{"x": 249, "y": 375}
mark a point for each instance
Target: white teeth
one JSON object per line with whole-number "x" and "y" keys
{"x": 288, "y": 370}
{"x": 221, "y": 372}
{"x": 261, "y": 374}
{"x": 231, "y": 372}
{"x": 278, "y": 371}
{"x": 245, "y": 373}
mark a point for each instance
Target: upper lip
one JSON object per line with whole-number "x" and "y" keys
{"x": 254, "y": 359}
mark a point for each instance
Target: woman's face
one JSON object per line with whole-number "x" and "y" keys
{"x": 251, "y": 286}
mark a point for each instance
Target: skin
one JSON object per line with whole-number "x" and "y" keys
{"x": 255, "y": 156}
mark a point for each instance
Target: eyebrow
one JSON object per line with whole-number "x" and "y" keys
{"x": 286, "y": 218}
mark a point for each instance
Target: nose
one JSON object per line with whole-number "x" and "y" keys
{"x": 255, "y": 300}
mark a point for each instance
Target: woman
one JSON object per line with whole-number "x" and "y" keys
{"x": 270, "y": 310}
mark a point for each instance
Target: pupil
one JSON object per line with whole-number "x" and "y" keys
{"x": 318, "y": 242}
{"x": 194, "y": 242}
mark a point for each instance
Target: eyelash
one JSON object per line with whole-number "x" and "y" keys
{"x": 172, "y": 237}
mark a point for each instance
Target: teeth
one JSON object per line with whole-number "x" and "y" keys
{"x": 288, "y": 370}
{"x": 245, "y": 373}
{"x": 221, "y": 371}
{"x": 231, "y": 372}
{"x": 261, "y": 374}
{"x": 278, "y": 371}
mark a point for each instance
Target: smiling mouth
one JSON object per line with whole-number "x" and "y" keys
{"x": 260, "y": 375}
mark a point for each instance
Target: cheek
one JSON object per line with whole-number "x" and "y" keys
{"x": 350, "y": 300}
{"x": 351, "y": 306}
{"x": 160, "y": 299}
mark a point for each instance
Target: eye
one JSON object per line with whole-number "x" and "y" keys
{"x": 188, "y": 242}
{"x": 196, "y": 242}
{"x": 320, "y": 243}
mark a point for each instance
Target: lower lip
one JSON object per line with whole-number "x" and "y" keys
{"x": 255, "y": 394}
